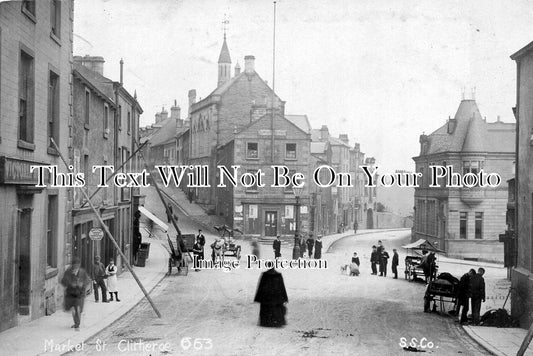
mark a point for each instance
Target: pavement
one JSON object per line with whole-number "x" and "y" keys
{"x": 499, "y": 341}
{"x": 52, "y": 335}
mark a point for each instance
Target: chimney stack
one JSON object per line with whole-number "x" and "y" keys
{"x": 94, "y": 63}
{"x": 164, "y": 114}
{"x": 192, "y": 98}
{"x": 237, "y": 69}
{"x": 157, "y": 117}
{"x": 324, "y": 133}
{"x": 249, "y": 64}
{"x": 121, "y": 71}
{"x": 175, "y": 113}
{"x": 344, "y": 138}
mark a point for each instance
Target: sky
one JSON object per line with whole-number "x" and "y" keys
{"x": 383, "y": 72}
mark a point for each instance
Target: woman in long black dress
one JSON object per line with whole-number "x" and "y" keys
{"x": 272, "y": 296}
{"x": 318, "y": 247}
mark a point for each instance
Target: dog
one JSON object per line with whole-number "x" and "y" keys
{"x": 344, "y": 269}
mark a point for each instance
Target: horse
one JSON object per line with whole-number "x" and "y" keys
{"x": 219, "y": 248}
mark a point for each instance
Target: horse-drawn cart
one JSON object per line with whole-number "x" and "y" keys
{"x": 443, "y": 290}
{"x": 417, "y": 264}
{"x": 180, "y": 257}
{"x": 230, "y": 248}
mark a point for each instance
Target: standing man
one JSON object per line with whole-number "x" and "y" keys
{"x": 201, "y": 239}
{"x": 374, "y": 259}
{"x": 477, "y": 287}
{"x": 277, "y": 247}
{"x": 198, "y": 251}
{"x": 98, "y": 279}
{"x": 395, "y": 259}
{"x": 355, "y": 225}
{"x": 463, "y": 295}
{"x": 310, "y": 244}
{"x": 380, "y": 247}
{"x": 318, "y": 247}
{"x": 75, "y": 280}
{"x": 384, "y": 259}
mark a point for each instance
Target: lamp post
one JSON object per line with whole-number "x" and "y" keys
{"x": 297, "y": 191}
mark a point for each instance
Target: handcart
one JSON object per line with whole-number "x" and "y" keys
{"x": 442, "y": 290}
{"x": 231, "y": 248}
{"x": 180, "y": 257}
{"x": 414, "y": 261}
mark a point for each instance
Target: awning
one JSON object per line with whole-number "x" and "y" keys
{"x": 422, "y": 244}
{"x": 154, "y": 218}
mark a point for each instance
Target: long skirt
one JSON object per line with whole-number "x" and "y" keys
{"x": 73, "y": 301}
{"x": 272, "y": 315}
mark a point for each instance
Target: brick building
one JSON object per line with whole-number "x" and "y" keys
{"x": 465, "y": 222}
{"x": 35, "y": 104}
{"x": 522, "y": 197}
{"x": 265, "y": 211}
{"x": 214, "y": 120}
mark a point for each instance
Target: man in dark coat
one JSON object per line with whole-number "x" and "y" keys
{"x": 198, "y": 251}
{"x": 276, "y": 245}
{"x": 477, "y": 288}
{"x": 395, "y": 263}
{"x": 384, "y": 259}
{"x": 98, "y": 279}
{"x": 75, "y": 280}
{"x": 201, "y": 240}
{"x": 374, "y": 259}
{"x": 310, "y": 244}
{"x": 463, "y": 294}
{"x": 272, "y": 296}
{"x": 318, "y": 247}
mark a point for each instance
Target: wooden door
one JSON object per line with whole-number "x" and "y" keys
{"x": 271, "y": 223}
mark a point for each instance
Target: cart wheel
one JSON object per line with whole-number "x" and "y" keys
{"x": 238, "y": 253}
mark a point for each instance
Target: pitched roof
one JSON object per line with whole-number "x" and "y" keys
{"x": 318, "y": 147}
{"x": 224, "y": 53}
{"x": 471, "y": 133}
{"x": 301, "y": 121}
{"x": 98, "y": 81}
{"x": 165, "y": 133}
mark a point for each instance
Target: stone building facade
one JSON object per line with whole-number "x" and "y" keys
{"x": 35, "y": 104}
{"x": 522, "y": 273}
{"x": 465, "y": 222}
{"x": 215, "y": 119}
{"x": 265, "y": 211}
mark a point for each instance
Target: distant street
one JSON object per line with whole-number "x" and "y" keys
{"x": 328, "y": 313}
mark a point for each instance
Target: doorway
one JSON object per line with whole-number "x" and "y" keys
{"x": 271, "y": 223}
{"x": 24, "y": 254}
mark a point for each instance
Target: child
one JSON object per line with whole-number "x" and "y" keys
{"x": 354, "y": 266}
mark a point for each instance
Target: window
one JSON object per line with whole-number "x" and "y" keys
{"x": 51, "y": 232}
{"x": 479, "y": 225}
{"x": 55, "y": 18}
{"x": 463, "y": 225}
{"x": 53, "y": 108}
{"x": 253, "y": 188}
{"x": 28, "y": 8}
{"x": 87, "y": 107}
{"x": 119, "y": 117}
{"x": 26, "y": 92}
{"x": 290, "y": 150}
{"x": 251, "y": 150}
{"x": 472, "y": 167}
{"x": 129, "y": 123}
{"x": 106, "y": 120}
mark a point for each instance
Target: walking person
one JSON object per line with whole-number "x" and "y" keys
{"x": 374, "y": 260}
{"x": 276, "y": 245}
{"x": 477, "y": 289}
{"x": 272, "y": 296}
{"x": 302, "y": 246}
{"x": 75, "y": 280}
{"x": 463, "y": 295}
{"x": 354, "y": 265}
{"x": 98, "y": 279}
{"x": 318, "y": 247}
{"x": 111, "y": 272}
{"x": 355, "y": 226}
{"x": 201, "y": 240}
{"x": 384, "y": 259}
{"x": 310, "y": 244}
{"x": 395, "y": 263}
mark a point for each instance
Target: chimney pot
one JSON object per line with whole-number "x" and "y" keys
{"x": 121, "y": 71}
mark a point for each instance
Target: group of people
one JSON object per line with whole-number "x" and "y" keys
{"x": 380, "y": 257}
{"x": 310, "y": 244}
{"x": 76, "y": 280}
{"x": 471, "y": 290}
